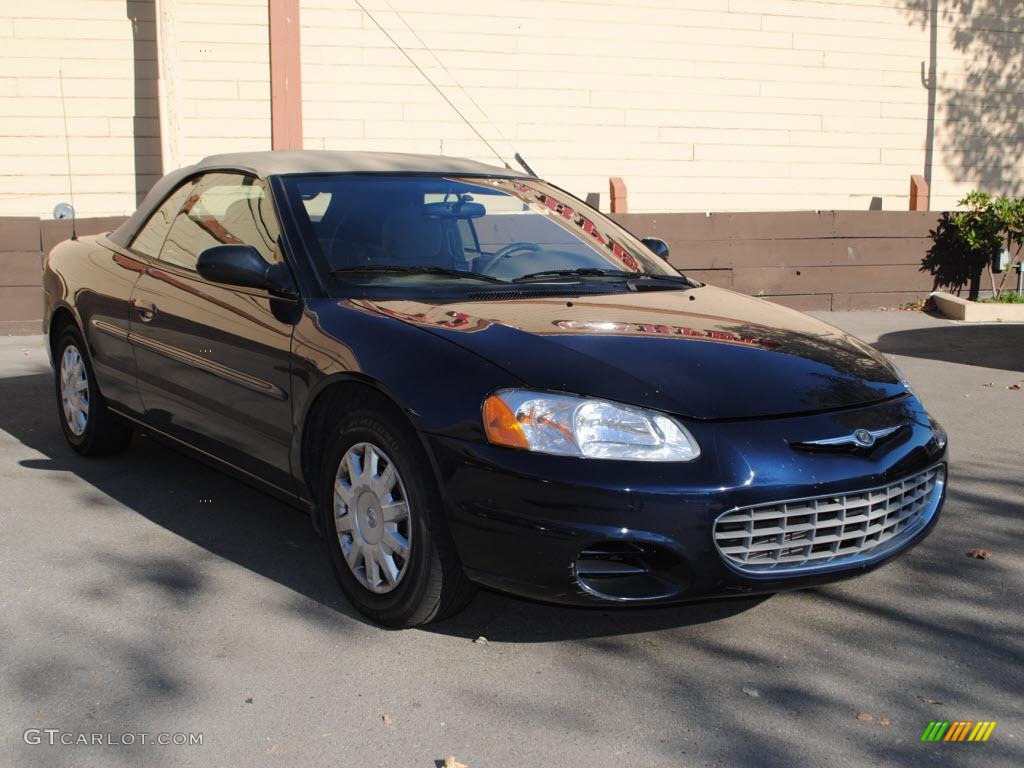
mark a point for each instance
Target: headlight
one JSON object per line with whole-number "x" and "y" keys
{"x": 580, "y": 426}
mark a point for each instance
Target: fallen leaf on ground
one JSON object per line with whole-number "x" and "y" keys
{"x": 864, "y": 717}
{"x": 926, "y": 700}
{"x": 751, "y": 692}
{"x": 451, "y": 762}
{"x": 989, "y": 384}
{"x": 248, "y": 699}
{"x": 481, "y": 640}
{"x": 274, "y": 749}
{"x": 980, "y": 554}
{"x": 387, "y": 720}
{"x": 1014, "y": 386}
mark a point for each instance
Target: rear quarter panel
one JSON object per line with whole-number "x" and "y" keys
{"x": 93, "y": 279}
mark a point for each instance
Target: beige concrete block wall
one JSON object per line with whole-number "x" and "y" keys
{"x": 107, "y": 52}
{"x": 92, "y": 42}
{"x": 224, "y": 64}
{"x": 698, "y": 104}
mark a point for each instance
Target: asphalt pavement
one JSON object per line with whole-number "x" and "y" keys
{"x": 149, "y": 594}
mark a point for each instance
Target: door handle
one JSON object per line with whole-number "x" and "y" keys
{"x": 146, "y": 311}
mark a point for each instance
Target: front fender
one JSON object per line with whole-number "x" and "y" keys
{"x": 439, "y": 385}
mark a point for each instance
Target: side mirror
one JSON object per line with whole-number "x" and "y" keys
{"x": 657, "y": 246}
{"x": 242, "y": 266}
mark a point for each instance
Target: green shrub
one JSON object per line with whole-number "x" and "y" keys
{"x": 969, "y": 242}
{"x": 1006, "y": 298}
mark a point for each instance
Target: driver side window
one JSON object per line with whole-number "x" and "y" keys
{"x": 223, "y": 209}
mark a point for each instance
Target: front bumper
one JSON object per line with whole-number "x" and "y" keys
{"x": 592, "y": 532}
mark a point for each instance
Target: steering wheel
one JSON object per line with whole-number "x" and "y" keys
{"x": 505, "y": 252}
{"x": 511, "y": 248}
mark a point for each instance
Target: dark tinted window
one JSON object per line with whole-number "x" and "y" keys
{"x": 151, "y": 237}
{"x": 223, "y": 208}
{"x": 494, "y": 228}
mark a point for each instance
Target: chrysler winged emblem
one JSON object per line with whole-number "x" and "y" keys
{"x": 864, "y": 438}
{"x": 859, "y": 438}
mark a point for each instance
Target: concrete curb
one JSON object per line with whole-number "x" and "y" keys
{"x": 977, "y": 312}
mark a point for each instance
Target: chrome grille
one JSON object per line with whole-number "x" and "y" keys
{"x": 825, "y": 531}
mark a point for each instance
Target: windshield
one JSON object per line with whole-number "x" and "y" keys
{"x": 470, "y": 232}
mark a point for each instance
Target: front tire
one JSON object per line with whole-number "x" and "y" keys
{"x": 89, "y": 426}
{"x": 383, "y": 524}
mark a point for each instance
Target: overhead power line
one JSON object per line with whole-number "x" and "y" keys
{"x": 430, "y": 80}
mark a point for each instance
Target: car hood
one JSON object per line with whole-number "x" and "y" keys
{"x": 704, "y": 353}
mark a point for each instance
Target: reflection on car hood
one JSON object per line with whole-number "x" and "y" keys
{"x": 702, "y": 353}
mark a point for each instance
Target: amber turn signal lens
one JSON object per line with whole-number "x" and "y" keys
{"x": 501, "y": 426}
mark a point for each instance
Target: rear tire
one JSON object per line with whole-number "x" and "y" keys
{"x": 89, "y": 426}
{"x": 384, "y": 526}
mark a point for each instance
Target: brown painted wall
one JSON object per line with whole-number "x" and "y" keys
{"x": 807, "y": 260}
{"x": 23, "y": 240}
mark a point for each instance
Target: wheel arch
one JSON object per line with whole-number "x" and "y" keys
{"x": 61, "y": 317}
{"x": 325, "y": 405}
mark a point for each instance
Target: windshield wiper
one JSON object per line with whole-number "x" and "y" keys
{"x": 579, "y": 272}
{"x": 395, "y": 269}
{"x": 631, "y": 277}
{"x": 643, "y": 282}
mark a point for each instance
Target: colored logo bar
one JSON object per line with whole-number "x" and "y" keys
{"x": 958, "y": 730}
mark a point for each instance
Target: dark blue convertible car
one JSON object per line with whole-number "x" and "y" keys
{"x": 469, "y": 377}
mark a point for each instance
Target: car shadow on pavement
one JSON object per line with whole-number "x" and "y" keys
{"x": 241, "y": 524}
{"x": 998, "y": 345}
{"x": 203, "y": 505}
{"x": 506, "y": 619}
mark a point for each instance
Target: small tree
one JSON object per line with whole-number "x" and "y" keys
{"x": 971, "y": 241}
{"x": 1010, "y": 212}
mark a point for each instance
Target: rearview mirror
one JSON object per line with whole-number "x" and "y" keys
{"x": 242, "y": 266}
{"x": 657, "y": 246}
{"x": 460, "y": 209}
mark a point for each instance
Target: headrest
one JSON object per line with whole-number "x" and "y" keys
{"x": 411, "y": 238}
